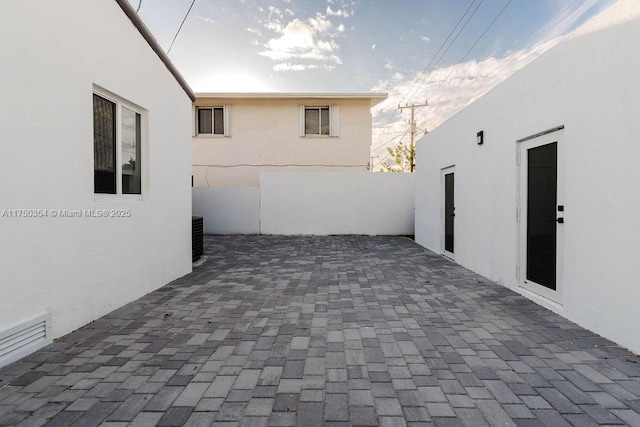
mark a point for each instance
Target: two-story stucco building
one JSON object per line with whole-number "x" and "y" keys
{"x": 236, "y": 136}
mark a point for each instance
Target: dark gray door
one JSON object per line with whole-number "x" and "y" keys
{"x": 542, "y": 199}
{"x": 449, "y": 212}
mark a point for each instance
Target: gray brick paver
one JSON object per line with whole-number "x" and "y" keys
{"x": 191, "y": 394}
{"x": 363, "y": 416}
{"x": 163, "y": 399}
{"x": 200, "y": 419}
{"x": 313, "y": 330}
{"x": 336, "y": 407}
{"x": 175, "y": 417}
{"x": 310, "y": 414}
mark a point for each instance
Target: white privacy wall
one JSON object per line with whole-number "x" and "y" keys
{"x": 337, "y": 203}
{"x": 589, "y": 84}
{"x": 79, "y": 269}
{"x": 228, "y": 210}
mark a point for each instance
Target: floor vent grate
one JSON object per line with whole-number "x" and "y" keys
{"x": 19, "y": 341}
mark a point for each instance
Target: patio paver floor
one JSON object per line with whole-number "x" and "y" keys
{"x": 282, "y": 331}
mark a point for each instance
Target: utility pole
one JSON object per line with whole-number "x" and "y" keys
{"x": 412, "y": 122}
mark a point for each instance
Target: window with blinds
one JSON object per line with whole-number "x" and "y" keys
{"x": 117, "y": 147}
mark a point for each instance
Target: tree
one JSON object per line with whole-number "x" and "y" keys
{"x": 404, "y": 156}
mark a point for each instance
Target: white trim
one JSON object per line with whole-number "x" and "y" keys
{"x": 194, "y": 124}
{"x": 144, "y": 153}
{"x": 301, "y": 122}
{"x": 226, "y": 126}
{"x": 446, "y": 171}
{"x": 533, "y": 288}
{"x": 334, "y": 120}
{"x": 225, "y": 120}
{"x": 540, "y": 299}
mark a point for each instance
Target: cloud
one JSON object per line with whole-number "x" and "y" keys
{"x": 296, "y": 42}
{"x": 310, "y": 39}
{"x": 287, "y": 66}
{"x": 373, "y": 47}
{"x": 206, "y": 19}
{"x": 340, "y": 12}
{"x": 275, "y": 11}
{"x": 425, "y": 39}
{"x": 448, "y": 90}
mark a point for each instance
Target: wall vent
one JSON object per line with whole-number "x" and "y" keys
{"x": 25, "y": 338}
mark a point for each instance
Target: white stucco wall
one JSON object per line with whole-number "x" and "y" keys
{"x": 228, "y": 210}
{"x": 81, "y": 268}
{"x": 266, "y": 132}
{"x": 589, "y": 84}
{"x": 337, "y": 203}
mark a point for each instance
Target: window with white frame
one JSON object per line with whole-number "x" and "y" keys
{"x": 117, "y": 146}
{"x": 319, "y": 120}
{"x": 213, "y": 120}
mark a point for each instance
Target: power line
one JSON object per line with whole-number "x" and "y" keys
{"x": 393, "y": 115}
{"x": 470, "y": 49}
{"x": 139, "y": 4}
{"x": 549, "y": 26}
{"x": 384, "y": 133}
{"x": 178, "y": 32}
{"x": 439, "y": 49}
{"x": 412, "y": 123}
{"x": 388, "y": 155}
{"x": 542, "y": 32}
{"x": 444, "y": 43}
{"x": 403, "y": 133}
{"x": 449, "y": 46}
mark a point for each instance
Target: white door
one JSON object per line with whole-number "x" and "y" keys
{"x": 541, "y": 215}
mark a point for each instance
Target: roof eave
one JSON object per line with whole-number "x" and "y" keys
{"x": 374, "y": 97}
{"x": 146, "y": 34}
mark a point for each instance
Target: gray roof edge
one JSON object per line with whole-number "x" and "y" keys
{"x": 146, "y": 34}
{"x": 374, "y": 97}
{"x": 285, "y": 95}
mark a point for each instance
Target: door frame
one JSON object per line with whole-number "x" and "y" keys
{"x": 555, "y": 135}
{"x": 446, "y": 171}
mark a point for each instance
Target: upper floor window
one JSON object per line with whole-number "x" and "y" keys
{"x": 117, "y": 146}
{"x": 213, "y": 120}
{"x": 319, "y": 120}
{"x": 316, "y": 120}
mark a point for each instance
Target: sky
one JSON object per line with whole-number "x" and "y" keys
{"x": 446, "y": 53}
